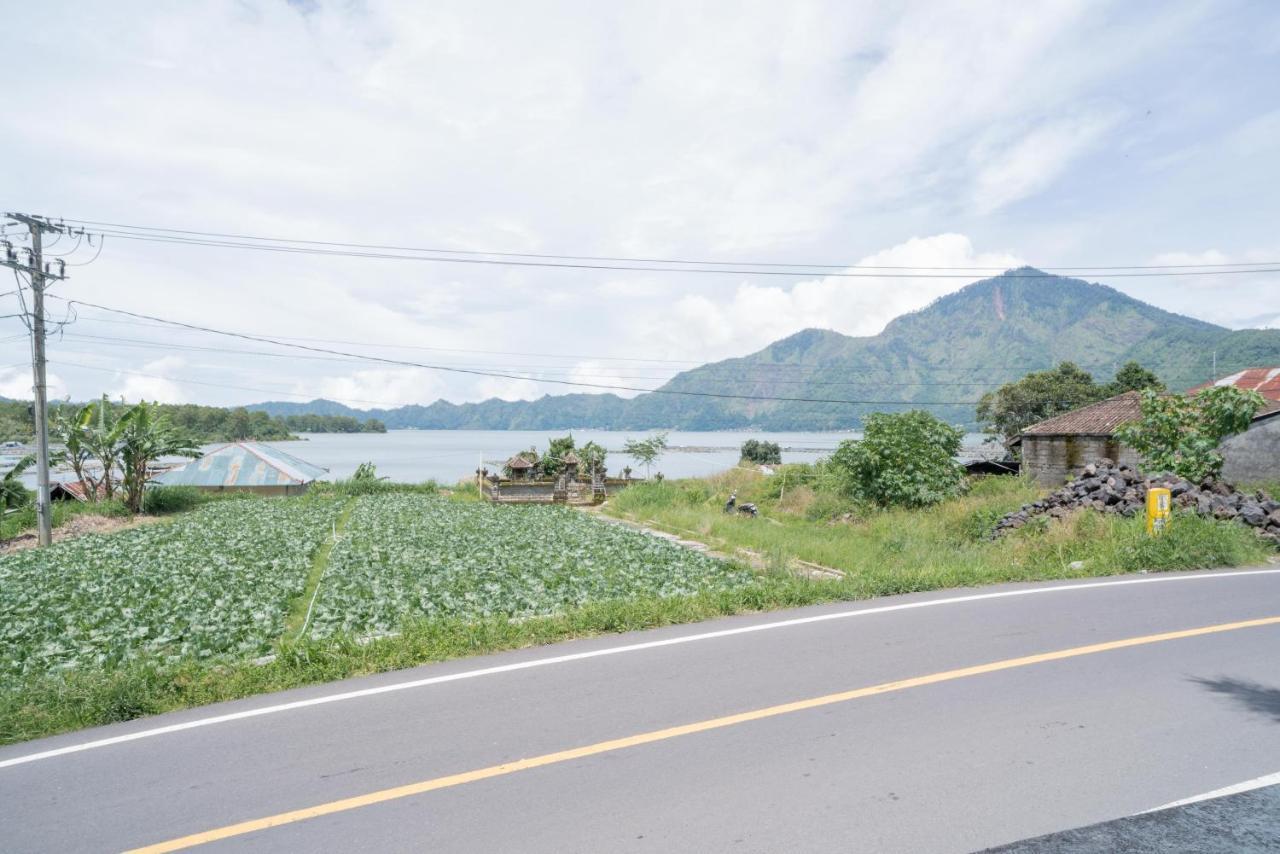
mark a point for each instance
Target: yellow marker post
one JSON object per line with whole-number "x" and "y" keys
{"x": 1159, "y": 508}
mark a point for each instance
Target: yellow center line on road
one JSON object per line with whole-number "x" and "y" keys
{"x": 452, "y": 780}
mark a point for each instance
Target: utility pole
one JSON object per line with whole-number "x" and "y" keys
{"x": 40, "y": 404}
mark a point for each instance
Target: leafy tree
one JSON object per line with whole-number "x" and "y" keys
{"x": 70, "y": 427}
{"x": 146, "y": 435}
{"x": 593, "y": 457}
{"x": 1014, "y": 406}
{"x": 1132, "y": 377}
{"x": 103, "y": 442}
{"x": 365, "y": 473}
{"x": 646, "y": 451}
{"x": 553, "y": 461}
{"x": 761, "y": 452}
{"x": 1181, "y": 433}
{"x": 12, "y": 492}
{"x": 905, "y": 459}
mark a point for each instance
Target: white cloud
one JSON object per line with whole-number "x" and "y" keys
{"x": 17, "y": 382}
{"x": 1025, "y": 166}
{"x": 377, "y": 387}
{"x": 157, "y": 387}
{"x": 816, "y": 131}
{"x": 757, "y": 315}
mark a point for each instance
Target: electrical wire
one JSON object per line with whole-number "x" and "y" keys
{"x": 502, "y": 375}
{"x": 185, "y": 381}
{"x": 296, "y": 250}
{"x": 633, "y": 260}
{"x": 537, "y": 372}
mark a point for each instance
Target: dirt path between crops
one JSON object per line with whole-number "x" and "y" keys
{"x": 78, "y": 527}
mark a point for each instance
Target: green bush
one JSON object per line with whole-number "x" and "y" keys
{"x": 159, "y": 500}
{"x": 761, "y": 452}
{"x": 905, "y": 459}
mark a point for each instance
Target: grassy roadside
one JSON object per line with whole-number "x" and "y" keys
{"x": 943, "y": 546}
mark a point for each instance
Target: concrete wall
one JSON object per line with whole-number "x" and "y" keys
{"x": 1253, "y": 455}
{"x": 1051, "y": 458}
{"x": 543, "y": 491}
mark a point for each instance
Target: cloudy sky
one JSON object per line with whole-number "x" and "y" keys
{"x": 929, "y": 134}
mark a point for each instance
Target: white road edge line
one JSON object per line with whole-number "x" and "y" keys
{"x": 599, "y": 653}
{"x": 1246, "y": 786}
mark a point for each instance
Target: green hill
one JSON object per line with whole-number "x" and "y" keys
{"x": 943, "y": 358}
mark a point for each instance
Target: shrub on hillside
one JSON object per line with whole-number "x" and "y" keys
{"x": 761, "y": 452}
{"x": 905, "y": 459}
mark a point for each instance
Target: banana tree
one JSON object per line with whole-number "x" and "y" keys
{"x": 146, "y": 436}
{"x": 70, "y": 427}
{"x": 12, "y": 492}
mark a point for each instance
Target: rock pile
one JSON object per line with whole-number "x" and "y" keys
{"x": 1120, "y": 489}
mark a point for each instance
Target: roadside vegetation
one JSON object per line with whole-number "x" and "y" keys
{"x": 237, "y": 597}
{"x": 806, "y": 517}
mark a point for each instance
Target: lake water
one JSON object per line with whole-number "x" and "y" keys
{"x": 450, "y": 455}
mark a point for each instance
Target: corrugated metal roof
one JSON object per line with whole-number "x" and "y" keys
{"x": 1096, "y": 419}
{"x": 1265, "y": 381}
{"x": 243, "y": 464}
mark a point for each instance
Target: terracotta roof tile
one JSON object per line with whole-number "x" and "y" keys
{"x": 1096, "y": 419}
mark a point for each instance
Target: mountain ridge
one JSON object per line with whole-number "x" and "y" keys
{"x": 941, "y": 357}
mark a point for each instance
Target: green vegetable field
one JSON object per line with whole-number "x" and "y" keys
{"x": 423, "y": 556}
{"x": 219, "y": 583}
{"x": 213, "y": 583}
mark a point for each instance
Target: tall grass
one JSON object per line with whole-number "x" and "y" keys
{"x": 943, "y": 546}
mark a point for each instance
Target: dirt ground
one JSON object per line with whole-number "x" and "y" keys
{"x": 75, "y": 527}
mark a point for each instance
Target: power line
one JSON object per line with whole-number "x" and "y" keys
{"x": 537, "y": 372}
{"x": 217, "y": 385}
{"x": 713, "y": 371}
{"x": 140, "y": 229}
{"x": 642, "y": 268}
{"x": 502, "y": 375}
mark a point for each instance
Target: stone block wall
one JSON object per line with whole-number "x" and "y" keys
{"x": 1051, "y": 458}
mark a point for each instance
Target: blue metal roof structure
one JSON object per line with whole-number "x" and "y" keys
{"x": 243, "y": 464}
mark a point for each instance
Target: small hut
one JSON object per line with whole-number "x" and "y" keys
{"x": 521, "y": 467}
{"x": 72, "y": 490}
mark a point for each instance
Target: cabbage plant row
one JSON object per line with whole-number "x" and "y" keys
{"x": 217, "y": 582}
{"x": 423, "y": 556}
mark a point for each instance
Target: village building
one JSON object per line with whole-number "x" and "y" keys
{"x": 1060, "y": 446}
{"x": 1066, "y": 443}
{"x": 521, "y": 467}
{"x": 246, "y": 467}
{"x": 72, "y": 490}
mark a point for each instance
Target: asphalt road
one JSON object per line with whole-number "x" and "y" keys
{"x": 1063, "y": 729}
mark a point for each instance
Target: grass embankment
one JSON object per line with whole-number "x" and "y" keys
{"x": 883, "y": 552}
